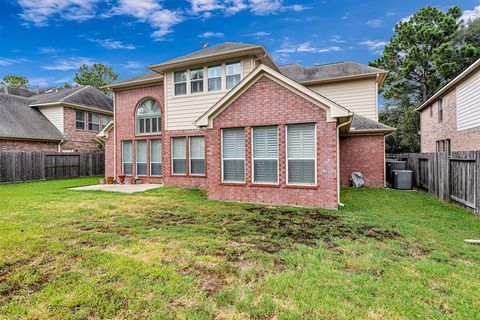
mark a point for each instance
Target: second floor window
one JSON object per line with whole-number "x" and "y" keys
{"x": 148, "y": 117}
{"x": 215, "y": 78}
{"x": 196, "y": 80}
{"x": 180, "y": 80}
{"x": 233, "y": 71}
{"x": 440, "y": 110}
{"x": 93, "y": 121}
{"x": 80, "y": 119}
{"x": 105, "y": 120}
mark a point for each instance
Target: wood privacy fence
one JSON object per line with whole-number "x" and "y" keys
{"x": 29, "y": 166}
{"x": 454, "y": 178}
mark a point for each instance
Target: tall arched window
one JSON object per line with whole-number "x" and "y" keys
{"x": 147, "y": 117}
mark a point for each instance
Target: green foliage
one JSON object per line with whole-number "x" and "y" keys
{"x": 96, "y": 75}
{"x": 13, "y": 81}
{"x": 67, "y": 85}
{"x": 100, "y": 143}
{"x": 426, "y": 51}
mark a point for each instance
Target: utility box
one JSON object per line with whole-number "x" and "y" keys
{"x": 394, "y": 165}
{"x": 402, "y": 179}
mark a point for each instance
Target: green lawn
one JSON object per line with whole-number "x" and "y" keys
{"x": 171, "y": 254}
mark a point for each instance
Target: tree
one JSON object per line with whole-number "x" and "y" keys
{"x": 97, "y": 75}
{"x": 15, "y": 82}
{"x": 425, "y": 53}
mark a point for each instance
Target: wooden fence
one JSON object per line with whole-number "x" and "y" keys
{"x": 454, "y": 178}
{"x": 30, "y": 166}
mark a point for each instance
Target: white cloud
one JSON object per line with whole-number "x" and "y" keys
{"x": 113, "y": 44}
{"x": 258, "y": 34}
{"x": 131, "y": 65}
{"x": 201, "y": 6}
{"x": 470, "y": 15}
{"x": 390, "y": 13}
{"x": 39, "y": 82}
{"x": 337, "y": 39}
{"x": 66, "y": 64}
{"x": 47, "y": 50}
{"x": 206, "y": 8}
{"x": 374, "y": 23}
{"x": 375, "y": 46}
{"x": 235, "y": 6}
{"x": 287, "y": 49}
{"x": 210, "y": 34}
{"x": 9, "y": 61}
{"x": 39, "y": 12}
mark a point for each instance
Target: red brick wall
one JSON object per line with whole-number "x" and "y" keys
{"x": 365, "y": 154}
{"x": 268, "y": 103}
{"x": 77, "y": 140}
{"x": 109, "y": 155}
{"x": 28, "y": 146}
{"x": 432, "y": 130}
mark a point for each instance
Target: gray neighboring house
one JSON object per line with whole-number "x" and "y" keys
{"x": 63, "y": 120}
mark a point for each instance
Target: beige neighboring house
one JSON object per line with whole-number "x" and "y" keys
{"x": 450, "y": 119}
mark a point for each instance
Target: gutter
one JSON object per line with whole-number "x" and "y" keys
{"x": 338, "y": 159}
{"x": 60, "y": 146}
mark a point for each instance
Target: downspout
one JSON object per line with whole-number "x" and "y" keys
{"x": 338, "y": 159}
{"x": 114, "y": 139}
{"x": 59, "y": 148}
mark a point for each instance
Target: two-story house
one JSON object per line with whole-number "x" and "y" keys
{"x": 229, "y": 120}
{"x": 450, "y": 119}
{"x": 64, "y": 120}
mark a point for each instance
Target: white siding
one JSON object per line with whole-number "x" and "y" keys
{"x": 468, "y": 102}
{"x": 54, "y": 115}
{"x": 359, "y": 96}
{"x": 182, "y": 111}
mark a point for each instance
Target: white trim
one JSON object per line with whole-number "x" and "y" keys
{"x": 131, "y": 163}
{"x": 114, "y": 138}
{"x": 315, "y": 151}
{"x": 156, "y": 162}
{"x": 244, "y": 159}
{"x": 146, "y": 160}
{"x": 190, "y": 157}
{"x": 171, "y": 156}
{"x": 253, "y": 158}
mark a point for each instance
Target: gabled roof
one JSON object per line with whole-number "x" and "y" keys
{"x": 144, "y": 78}
{"x": 334, "y": 110}
{"x": 472, "y": 68}
{"x": 19, "y": 121}
{"x": 361, "y": 124}
{"x": 83, "y": 96}
{"x": 219, "y": 51}
{"x": 16, "y": 91}
{"x": 330, "y": 72}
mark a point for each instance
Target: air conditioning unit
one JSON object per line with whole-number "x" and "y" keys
{"x": 402, "y": 179}
{"x": 394, "y": 165}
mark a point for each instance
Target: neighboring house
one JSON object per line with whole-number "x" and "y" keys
{"x": 63, "y": 120}
{"x": 450, "y": 119}
{"x": 229, "y": 120}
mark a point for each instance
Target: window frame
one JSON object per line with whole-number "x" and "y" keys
{"x": 253, "y": 156}
{"x": 146, "y": 158}
{"x": 90, "y": 117}
{"x": 109, "y": 119}
{"x": 156, "y": 162}
{"x": 190, "y": 158}
{"x": 223, "y": 159}
{"x": 235, "y": 74}
{"x": 440, "y": 109}
{"x": 200, "y": 80}
{"x": 172, "y": 158}
{"x": 186, "y": 82}
{"x": 150, "y": 118}
{"x": 84, "y": 121}
{"x": 315, "y": 184}
{"x": 131, "y": 155}
{"x": 221, "y": 66}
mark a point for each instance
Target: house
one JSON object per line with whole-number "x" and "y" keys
{"x": 230, "y": 120}
{"x": 450, "y": 119}
{"x": 62, "y": 120}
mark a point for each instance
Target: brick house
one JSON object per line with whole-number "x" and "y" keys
{"x": 59, "y": 120}
{"x": 229, "y": 120}
{"x": 450, "y": 119}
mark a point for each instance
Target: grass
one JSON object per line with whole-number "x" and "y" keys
{"x": 171, "y": 254}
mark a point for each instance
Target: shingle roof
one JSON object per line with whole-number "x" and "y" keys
{"x": 16, "y": 91}
{"x": 361, "y": 123}
{"x": 18, "y": 120}
{"x": 329, "y": 71}
{"x": 214, "y": 50}
{"x": 144, "y": 76}
{"x": 83, "y": 95}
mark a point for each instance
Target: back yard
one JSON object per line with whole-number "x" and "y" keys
{"x": 170, "y": 253}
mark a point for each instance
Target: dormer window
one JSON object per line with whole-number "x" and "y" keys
{"x": 180, "y": 80}
{"x": 215, "y": 78}
{"x": 196, "y": 80}
{"x": 233, "y": 71}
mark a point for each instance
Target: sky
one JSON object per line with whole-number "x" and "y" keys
{"x": 47, "y": 40}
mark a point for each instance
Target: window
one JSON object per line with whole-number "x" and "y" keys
{"x": 215, "y": 78}
{"x": 197, "y": 155}
{"x": 179, "y": 155}
{"x": 233, "y": 155}
{"x": 80, "y": 119}
{"x": 448, "y": 147}
{"x": 127, "y": 157}
{"x": 233, "y": 71}
{"x": 440, "y": 110}
{"x": 444, "y": 146}
{"x": 148, "y": 117}
{"x": 141, "y": 157}
{"x": 180, "y": 80}
{"x": 301, "y": 149}
{"x": 265, "y": 154}
{"x": 155, "y": 157}
{"x": 93, "y": 121}
{"x": 196, "y": 80}
{"x": 105, "y": 120}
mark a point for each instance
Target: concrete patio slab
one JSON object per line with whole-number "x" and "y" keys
{"x": 125, "y": 188}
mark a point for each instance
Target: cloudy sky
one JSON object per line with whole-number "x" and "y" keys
{"x": 47, "y": 40}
